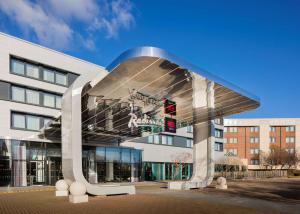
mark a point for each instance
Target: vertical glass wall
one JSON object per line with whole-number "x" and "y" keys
{"x": 111, "y": 164}
{"x": 26, "y": 163}
{"x": 167, "y": 171}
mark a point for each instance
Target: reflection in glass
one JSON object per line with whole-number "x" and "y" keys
{"x": 32, "y": 71}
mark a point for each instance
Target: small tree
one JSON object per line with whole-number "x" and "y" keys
{"x": 279, "y": 157}
{"x": 179, "y": 159}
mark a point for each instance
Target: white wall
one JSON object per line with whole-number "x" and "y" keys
{"x": 13, "y": 46}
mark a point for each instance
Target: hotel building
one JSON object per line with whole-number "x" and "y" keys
{"x": 248, "y": 138}
{"x": 37, "y": 86}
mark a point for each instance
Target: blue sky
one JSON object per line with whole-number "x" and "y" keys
{"x": 254, "y": 44}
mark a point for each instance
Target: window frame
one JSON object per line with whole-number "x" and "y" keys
{"x": 41, "y": 68}
{"x": 26, "y": 115}
{"x": 41, "y": 94}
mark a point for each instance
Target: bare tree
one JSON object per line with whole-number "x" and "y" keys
{"x": 179, "y": 159}
{"x": 279, "y": 157}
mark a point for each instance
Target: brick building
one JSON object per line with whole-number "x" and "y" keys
{"x": 247, "y": 138}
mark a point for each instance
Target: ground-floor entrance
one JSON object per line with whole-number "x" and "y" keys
{"x": 154, "y": 171}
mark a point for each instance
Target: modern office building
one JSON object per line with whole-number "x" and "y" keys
{"x": 248, "y": 138}
{"x": 63, "y": 117}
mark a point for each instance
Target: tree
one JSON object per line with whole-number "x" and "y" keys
{"x": 179, "y": 159}
{"x": 279, "y": 157}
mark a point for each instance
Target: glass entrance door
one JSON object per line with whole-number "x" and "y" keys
{"x": 53, "y": 170}
{"x": 36, "y": 170}
{"x": 5, "y": 171}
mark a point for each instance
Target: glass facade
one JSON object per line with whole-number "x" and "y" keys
{"x": 35, "y": 97}
{"x": 26, "y": 163}
{"x": 111, "y": 164}
{"x": 167, "y": 171}
{"x": 28, "y": 122}
{"x": 37, "y": 71}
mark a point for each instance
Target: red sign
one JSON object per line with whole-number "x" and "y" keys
{"x": 170, "y": 125}
{"x": 170, "y": 107}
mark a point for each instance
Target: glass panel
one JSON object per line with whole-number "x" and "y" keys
{"x": 156, "y": 139}
{"x": 48, "y": 75}
{"x": 32, "y": 71}
{"x": 163, "y": 140}
{"x": 32, "y": 97}
{"x": 33, "y": 122}
{"x": 49, "y": 100}
{"x": 58, "y": 101}
{"x": 5, "y": 170}
{"x": 46, "y": 121}
{"x": 18, "y": 121}
{"x": 100, "y": 154}
{"x": 61, "y": 78}
{"x": 135, "y": 156}
{"x": 18, "y": 94}
{"x": 170, "y": 140}
{"x": 150, "y": 139}
{"x": 18, "y": 67}
{"x": 112, "y": 154}
{"x": 125, "y": 156}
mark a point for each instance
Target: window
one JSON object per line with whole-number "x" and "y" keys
{"x": 254, "y": 140}
{"x": 17, "y": 67}
{"x": 28, "y": 121}
{"x": 32, "y": 97}
{"x": 272, "y": 129}
{"x": 164, "y": 139}
{"x": 233, "y": 140}
{"x": 170, "y": 140}
{"x": 40, "y": 72}
{"x": 32, "y": 122}
{"x": 290, "y": 151}
{"x": 225, "y": 129}
{"x": 150, "y": 139}
{"x": 18, "y": 121}
{"x": 58, "y": 100}
{"x": 49, "y": 100}
{"x": 231, "y": 152}
{"x": 219, "y": 121}
{"x": 254, "y": 162}
{"x": 290, "y": 128}
{"x": 189, "y": 129}
{"x": 254, "y": 151}
{"x": 218, "y": 146}
{"x": 48, "y": 75}
{"x": 32, "y": 71}
{"x": 218, "y": 133}
{"x": 18, "y": 94}
{"x": 233, "y": 129}
{"x": 61, "y": 78}
{"x": 189, "y": 143}
{"x": 156, "y": 139}
{"x": 46, "y": 121}
{"x": 225, "y": 140}
{"x": 254, "y": 129}
{"x": 290, "y": 140}
{"x": 272, "y": 139}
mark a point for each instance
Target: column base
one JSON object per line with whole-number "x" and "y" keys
{"x": 61, "y": 193}
{"x": 78, "y": 198}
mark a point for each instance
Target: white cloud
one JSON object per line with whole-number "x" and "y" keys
{"x": 53, "y": 21}
{"x": 116, "y": 15}
{"x": 82, "y": 10}
{"x": 48, "y": 29}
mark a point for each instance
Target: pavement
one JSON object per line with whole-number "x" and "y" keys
{"x": 281, "y": 196}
